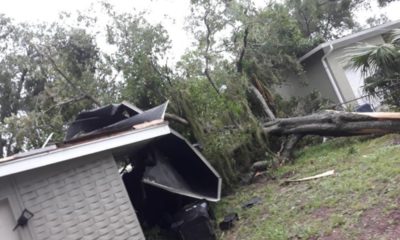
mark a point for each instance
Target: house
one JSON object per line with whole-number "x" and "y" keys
{"x": 326, "y": 71}
{"x": 74, "y": 190}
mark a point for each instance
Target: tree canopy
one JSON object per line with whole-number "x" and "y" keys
{"x": 222, "y": 87}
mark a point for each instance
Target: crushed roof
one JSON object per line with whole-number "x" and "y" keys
{"x": 138, "y": 120}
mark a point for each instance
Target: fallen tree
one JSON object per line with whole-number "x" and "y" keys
{"x": 331, "y": 123}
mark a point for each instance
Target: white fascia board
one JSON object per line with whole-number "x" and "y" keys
{"x": 82, "y": 149}
{"x": 180, "y": 192}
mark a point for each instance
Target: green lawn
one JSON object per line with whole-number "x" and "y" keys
{"x": 359, "y": 202}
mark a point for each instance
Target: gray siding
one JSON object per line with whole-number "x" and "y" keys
{"x": 316, "y": 79}
{"x": 337, "y": 65}
{"x": 80, "y": 199}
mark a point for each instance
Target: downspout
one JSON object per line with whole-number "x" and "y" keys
{"x": 330, "y": 75}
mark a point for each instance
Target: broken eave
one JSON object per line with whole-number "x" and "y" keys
{"x": 16, "y": 164}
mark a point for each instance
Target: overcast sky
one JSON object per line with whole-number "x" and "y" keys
{"x": 171, "y": 13}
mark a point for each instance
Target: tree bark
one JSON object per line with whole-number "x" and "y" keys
{"x": 176, "y": 118}
{"x": 264, "y": 104}
{"x": 336, "y": 124}
{"x": 330, "y": 123}
{"x": 287, "y": 153}
{"x": 207, "y": 54}
{"x": 239, "y": 63}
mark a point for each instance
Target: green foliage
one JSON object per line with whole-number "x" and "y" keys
{"x": 326, "y": 19}
{"x": 274, "y": 42}
{"x": 380, "y": 66}
{"x": 50, "y": 72}
{"x": 298, "y": 106}
{"x": 223, "y": 125}
{"x": 140, "y": 48}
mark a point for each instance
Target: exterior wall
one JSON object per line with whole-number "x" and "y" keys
{"x": 316, "y": 79}
{"x": 7, "y": 193}
{"x": 78, "y": 199}
{"x": 337, "y": 65}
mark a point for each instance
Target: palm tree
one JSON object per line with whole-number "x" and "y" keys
{"x": 380, "y": 66}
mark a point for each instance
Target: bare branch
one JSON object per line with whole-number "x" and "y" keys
{"x": 207, "y": 53}
{"x": 64, "y": 76}
{"x": 176, "y": 118}
{"x": 76, "y": 99}
{"x": 261, "y": 99}
{"x": 239, "y": 63}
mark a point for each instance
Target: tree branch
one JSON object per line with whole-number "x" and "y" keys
{"x": 261, "y": 99}
{"x": 76, "y": 99}
{"x": 64, "y": 76}
{"x": 207, "y": 56}
{"x": 21, "y": 82}
{"x": 176, "y": 118}
{"x": 239, "y": 63}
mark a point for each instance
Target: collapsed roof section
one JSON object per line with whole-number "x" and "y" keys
{"x": 110, "y": 119}
{"x": 179, "y": 168}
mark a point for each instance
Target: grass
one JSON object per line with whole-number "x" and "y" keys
{"x": 355, "y": 203}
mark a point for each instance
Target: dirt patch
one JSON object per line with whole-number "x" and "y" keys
{"x": 336, "y": 234}
{"x": 322, "y": 213}
{"x": 375, "y": 223}
{"x": 288, "y": 174}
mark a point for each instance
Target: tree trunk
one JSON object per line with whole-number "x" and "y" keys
{"x": 330, "y": 123}
{"x": 290, "y": 144}
{"x": 336, "y": 124}
{"x": 264, "y": 104}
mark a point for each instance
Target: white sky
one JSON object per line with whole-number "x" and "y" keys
{"x": 171, "y": 13}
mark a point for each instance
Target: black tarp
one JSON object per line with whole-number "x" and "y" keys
{"x": 111, "y": 118}
{"x": 182, "y": 169}
{"x": 169, "y": 162}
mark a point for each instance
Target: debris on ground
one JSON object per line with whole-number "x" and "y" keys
{"x": 325, "y": 174}
{"x": 250, "y": 203}
{"x": 229, "y": 221}
{"x": 260, "y": 166}
{"x": 193, "y": 222}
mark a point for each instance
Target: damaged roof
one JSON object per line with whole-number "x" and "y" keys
{"x": 54, "y": 154}
{"x": 122, "y": 129}
{"x": 102, "y": 124}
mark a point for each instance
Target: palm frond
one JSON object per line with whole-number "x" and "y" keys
{"x": 395, "y": 36}
{"x": 372, "y": 58}
{"x": 357, "y": 57}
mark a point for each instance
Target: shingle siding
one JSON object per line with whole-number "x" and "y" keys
{"x": 85, "y": 199}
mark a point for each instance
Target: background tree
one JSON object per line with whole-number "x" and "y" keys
{"x": 49, "y": 73}
{"x": 140, "y": 50}
{"x": 222, "y": 88}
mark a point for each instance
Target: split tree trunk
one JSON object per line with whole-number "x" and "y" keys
{"x": 332, "y": 123}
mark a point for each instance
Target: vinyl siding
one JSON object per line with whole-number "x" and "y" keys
{"x": 79, "y": 199}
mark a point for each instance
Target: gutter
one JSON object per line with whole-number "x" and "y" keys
{"x": 330, "y": 75}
